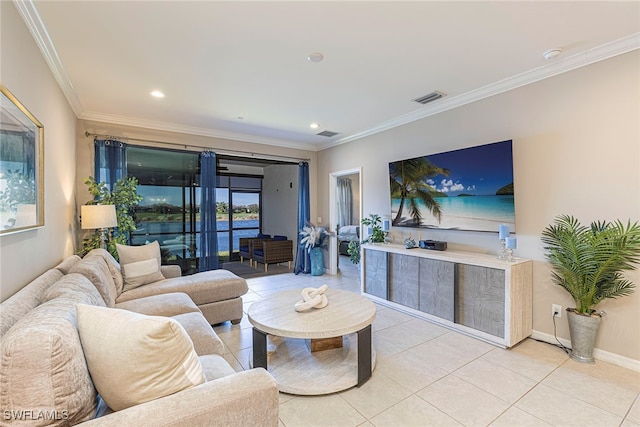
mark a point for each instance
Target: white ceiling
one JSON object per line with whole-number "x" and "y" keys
{"x": 220, "y": 60}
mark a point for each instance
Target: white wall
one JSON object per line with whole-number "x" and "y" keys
{"x": 25, "y": 255}
{"x": 280, "y": 201}
{"x": 576, "y": 143}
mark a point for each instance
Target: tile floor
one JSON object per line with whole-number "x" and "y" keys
{"x": 427, "y": 375}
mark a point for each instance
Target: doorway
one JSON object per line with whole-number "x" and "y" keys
{"x": 354, "y": 176}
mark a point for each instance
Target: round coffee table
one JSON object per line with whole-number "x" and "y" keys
{"x": 295, "y": 368}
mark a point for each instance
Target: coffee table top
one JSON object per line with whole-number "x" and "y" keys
{"x": 346, "y": 313}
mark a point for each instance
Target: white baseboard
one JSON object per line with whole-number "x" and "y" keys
{"x": 603, "y": 355}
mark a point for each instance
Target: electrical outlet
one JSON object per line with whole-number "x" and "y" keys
{"x": 556, "y": 308}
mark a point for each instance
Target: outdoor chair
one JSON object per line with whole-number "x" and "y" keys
{"x": 273, "y": 251}
{"x": 246, "y": 245}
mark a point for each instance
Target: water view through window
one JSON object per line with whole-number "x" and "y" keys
{"x": 168, "y": 181}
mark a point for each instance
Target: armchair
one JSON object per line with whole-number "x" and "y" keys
{"x": 246, "y": 245}
{"x": 273, "y": 252}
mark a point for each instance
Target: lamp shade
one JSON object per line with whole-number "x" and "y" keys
{"x": 98, "y": 216}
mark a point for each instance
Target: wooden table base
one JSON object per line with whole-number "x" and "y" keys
{"x": 324, "y": 344}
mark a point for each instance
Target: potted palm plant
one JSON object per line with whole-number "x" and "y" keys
{"x": 588, "y": 261}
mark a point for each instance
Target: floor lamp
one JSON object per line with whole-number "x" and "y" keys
{"x": 99, "y": 217}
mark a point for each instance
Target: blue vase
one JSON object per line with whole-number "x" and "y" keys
{"x": 317, "y": 261}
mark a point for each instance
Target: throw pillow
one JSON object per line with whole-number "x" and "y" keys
{"x": 140, "y": 265}
{"x": 134, "y": 358}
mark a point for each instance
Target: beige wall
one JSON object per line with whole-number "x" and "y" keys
{"x": 576, "y": 150}
{"x": 24, "y": 72}
{"x": 280, "y": 201}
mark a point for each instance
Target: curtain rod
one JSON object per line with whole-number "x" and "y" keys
{"x": 176, "y": 144}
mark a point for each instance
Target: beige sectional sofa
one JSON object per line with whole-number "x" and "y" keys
{"x": 45, "y": 376}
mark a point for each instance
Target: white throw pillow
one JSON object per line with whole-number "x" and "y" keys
{"x": 134, "y": 358}
{"x": 140, "y": 265}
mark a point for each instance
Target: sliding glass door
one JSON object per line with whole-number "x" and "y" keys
{"x": 168, "y": 212}
{"x": 238, "y": 200}
{"x": 168, "y": 181}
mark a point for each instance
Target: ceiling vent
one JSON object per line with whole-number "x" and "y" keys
{"x": 430, "y": 97}
{"x": 327, "y": 133}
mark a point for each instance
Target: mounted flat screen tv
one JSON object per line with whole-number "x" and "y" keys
{"x": 467, "y": 189}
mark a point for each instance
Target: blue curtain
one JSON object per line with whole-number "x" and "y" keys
{"x": 303, "y": 260}
{"x": 110, "y": 161}
{"x": 208, "y": 229}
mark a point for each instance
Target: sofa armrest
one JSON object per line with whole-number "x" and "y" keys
{"x": 171, "y": 271}
{"x": 248, "y": 398}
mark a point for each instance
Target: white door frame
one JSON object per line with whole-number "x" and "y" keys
{"x": 333, "y": 214}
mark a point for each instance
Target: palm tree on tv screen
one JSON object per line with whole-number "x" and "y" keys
{"x": 408, "y": 179}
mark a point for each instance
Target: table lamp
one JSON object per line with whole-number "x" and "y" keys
{"x": 99, "y": 217}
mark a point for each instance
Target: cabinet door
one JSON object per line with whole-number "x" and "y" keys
{"x": 480, "y": 298}
{"x": 437, "y": 285}
{"x": 404, "y": 277}
{"x": 375, "y": 273}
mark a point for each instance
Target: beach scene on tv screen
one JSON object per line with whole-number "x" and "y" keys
{"x": 467, "y": 189}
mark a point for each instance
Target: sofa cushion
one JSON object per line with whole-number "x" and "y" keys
{"x": 139, "y": 265}
{"x": 168, "y": 305}
{"x": 27, "y": 298}
{"x": 76, "y": 287}
{"x": 279, "y": 238}
{"x": 215, "y": 367}
{"x": 67, "y": 263}
{"x": 170, "y": 270}
{"x": 203, "y": 288}
{"x": 204, "y": 338}
{"x": 42, "y": 365}
{"x": 114, "y": 267}
{"x": 96, "y": 270}
{"x": 135, "y": 358}
{"x": 264, "y": 236}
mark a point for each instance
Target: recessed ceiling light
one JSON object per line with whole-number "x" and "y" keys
{"x": 314, "y": 126}
{"x": 552, "y": 53}
{"x": 157, "y": 94}
{"x": 315, "y": 57}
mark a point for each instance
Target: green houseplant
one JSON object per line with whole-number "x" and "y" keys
{"x": 125, "y": 197}
{"x": 377, "y": 235}
{"x": 588, "y": 261}
{"x": 353, "y": 250}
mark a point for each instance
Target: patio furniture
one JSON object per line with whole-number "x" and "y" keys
{"x": 273, "y": 251}
{"x": 245, "y": 249}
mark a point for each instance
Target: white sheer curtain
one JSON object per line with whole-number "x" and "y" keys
{"x": 345, "y": 202}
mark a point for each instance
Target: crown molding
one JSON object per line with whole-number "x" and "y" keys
{"x": 34, "y": 23}
{"x": 192, "y": 130}
{"x": 558, "y": 66}
{"x": 36, "y": 27}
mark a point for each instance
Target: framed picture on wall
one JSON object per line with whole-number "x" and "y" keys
{"x": 21, "y": 167}
{"x": 468, "y": 189}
